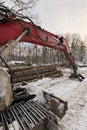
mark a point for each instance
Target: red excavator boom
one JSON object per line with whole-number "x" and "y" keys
{"x": 12, "y": 26}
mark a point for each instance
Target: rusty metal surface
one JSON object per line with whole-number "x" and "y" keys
{"x": 27, "y": 115}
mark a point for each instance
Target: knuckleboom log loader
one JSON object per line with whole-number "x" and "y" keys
{"x": 14, "y": 29}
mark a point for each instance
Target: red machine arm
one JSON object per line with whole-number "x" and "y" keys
{"x": 11, "y": 27}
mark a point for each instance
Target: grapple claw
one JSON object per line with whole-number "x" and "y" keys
{"x": 76, "y": 76}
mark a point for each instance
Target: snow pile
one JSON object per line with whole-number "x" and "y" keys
{"x": 76, "y": 117}
{"x": 37, "y": 88}
{"x": 74, "y": 92}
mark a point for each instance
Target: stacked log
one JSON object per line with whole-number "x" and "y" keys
{"x": 34, "y": 72}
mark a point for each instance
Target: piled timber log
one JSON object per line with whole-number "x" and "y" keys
{"x": 21, "y": 74}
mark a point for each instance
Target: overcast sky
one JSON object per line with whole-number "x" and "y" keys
{"x": 63, "y": 16}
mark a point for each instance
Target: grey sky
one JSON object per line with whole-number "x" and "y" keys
{"x": 62, "y": 16}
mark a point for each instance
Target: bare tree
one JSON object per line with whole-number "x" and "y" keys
{"x": 77, "y": 46}
{"x": 23, "y": 7}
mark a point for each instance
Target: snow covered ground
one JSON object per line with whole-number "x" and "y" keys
{"x": 72, "y": 91}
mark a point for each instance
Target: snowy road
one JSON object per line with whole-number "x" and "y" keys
{"x": 74, "y": 92}
{"x": 76, "y": 117}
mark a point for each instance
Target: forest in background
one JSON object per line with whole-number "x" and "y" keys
{"x": 35, "y": 54}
